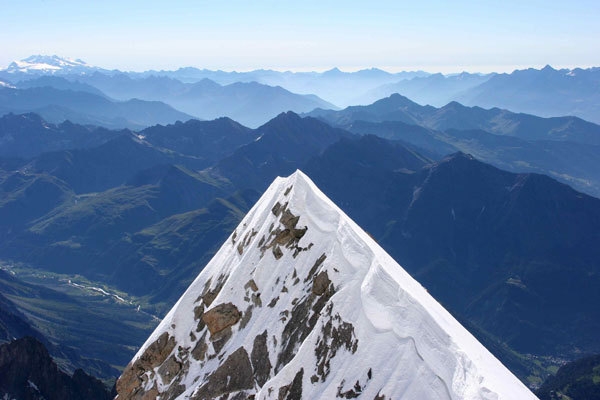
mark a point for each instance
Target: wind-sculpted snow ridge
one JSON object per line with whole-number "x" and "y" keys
{"x": 300, "y": 303}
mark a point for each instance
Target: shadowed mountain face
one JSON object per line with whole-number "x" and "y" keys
{"x": 284, "y": 144}
{"x": 28, "y": 135}
{"x": 109, "y": 165}
{"x": 13, "y": 324}
{"x": 211, "y": 140}
{"x": 28, "y": 372}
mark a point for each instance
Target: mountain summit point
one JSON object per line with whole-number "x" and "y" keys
{"x": 300, "y": 302}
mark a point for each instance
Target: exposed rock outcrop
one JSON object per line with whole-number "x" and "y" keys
{"x": 233, "y": 375}
{"x": 129, "y": 385}
{"x": 221, "y": 317}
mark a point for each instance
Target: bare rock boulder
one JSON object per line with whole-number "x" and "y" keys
{"x": 221, "y": 317}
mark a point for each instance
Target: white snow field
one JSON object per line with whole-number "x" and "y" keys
{"x": 316, "y": 313}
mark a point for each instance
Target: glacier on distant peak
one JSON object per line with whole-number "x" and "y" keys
{"x": 48, "y": 64}
{"x": 301, "y": 303}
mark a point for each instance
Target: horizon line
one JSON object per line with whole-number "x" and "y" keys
{"x": 430, "y": 69}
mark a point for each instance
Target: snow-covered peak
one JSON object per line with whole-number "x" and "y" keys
{"x": 300, "y": 302}
{"x": 6, "y": 85}
{"x": 48, "y": 64}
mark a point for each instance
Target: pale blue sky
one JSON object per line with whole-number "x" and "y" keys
{"x": 447, "y": 36}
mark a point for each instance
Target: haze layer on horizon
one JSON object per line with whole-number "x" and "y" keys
{"x": 435, "y": 36}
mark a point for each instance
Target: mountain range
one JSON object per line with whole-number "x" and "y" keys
{"x": 249, "y": 103}
{"x": 565, "y": 148}
{"x": 108, "y": 227}
{"x": 435, "y": 89}
{"x": 547, "y": 92}
{"x": 53, "y": 88}
{"x": 83, "y": 107}
{"x": 139, "y": 215}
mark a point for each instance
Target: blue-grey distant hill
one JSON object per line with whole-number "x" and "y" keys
{"x": 335, "y": 86}
{"x": 436, "y": 89}
{"x": 249, "y": 103}
{"x": 566, "y": 148}
{"x": 85, "y": 107}
{"x": 546, "y": 92}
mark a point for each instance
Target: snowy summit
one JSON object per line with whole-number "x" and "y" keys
{"x": 48, "y": 65}
{"x": 300, "y": 303}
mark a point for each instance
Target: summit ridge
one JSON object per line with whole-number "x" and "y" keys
{"x": 300, "y": 302}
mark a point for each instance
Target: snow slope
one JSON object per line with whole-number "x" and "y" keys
{"x": 301, "y": 303}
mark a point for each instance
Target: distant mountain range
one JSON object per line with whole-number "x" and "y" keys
{"x": 494, "y": 247}
{"x": 249, "y": 103}
{"x": 566, "y": 148}
{"x": 333, "y": 85}
{"x": 436, "y": 89}
{"x": 546, "y": 92}
{"x": 83, "y": 107}
{"x": 144, "y": 101}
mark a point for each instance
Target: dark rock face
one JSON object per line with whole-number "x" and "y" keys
{"x": 335, "y": 335}
{"x": 356, "y": 389}
{"x": 209, "y": 295}
{"x": 199, "y": 351}
{"x": 221, "y": 317}
{"x": 129, "y": 385}
{"x": 234, "y": 375}
{"x": 293, "y": 391}
{"x": 304, "y": 317}
{"x": 260, "y": 359}
{"x": 169, "y": 369}
{"x": 321, "y": 283}
{"x": 287, "y": 235}
{"x": 28, "y": 372}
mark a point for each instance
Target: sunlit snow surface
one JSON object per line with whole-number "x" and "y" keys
{"x": 48, "y": 64}
{"x": 408, "y": 346}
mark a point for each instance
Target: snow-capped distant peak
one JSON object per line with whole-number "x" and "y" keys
{"x": 48, "y": 64}
{"x": 300, "y": 303}
{"x": 6, "y": 85}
